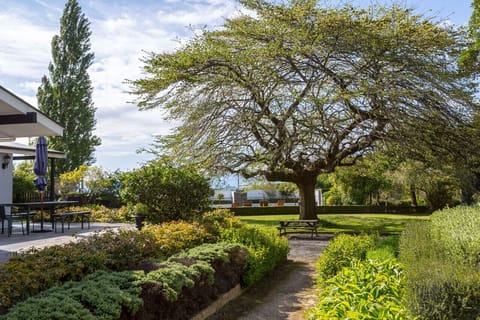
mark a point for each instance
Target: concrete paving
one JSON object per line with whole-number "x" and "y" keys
{"x": 10, "y": 245}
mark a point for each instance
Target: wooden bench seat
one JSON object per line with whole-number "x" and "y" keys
{"x": 68, "y": 217}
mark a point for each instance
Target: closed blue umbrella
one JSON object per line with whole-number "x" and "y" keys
{"x": 40, "y": 169}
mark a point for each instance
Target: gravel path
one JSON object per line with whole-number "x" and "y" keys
{"x": 287, "y": 292}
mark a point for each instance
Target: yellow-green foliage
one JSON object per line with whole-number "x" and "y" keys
{"x": 341, "y": 251}
{"x": 110, "y": 215}
{"x": 364, "y": 290}
{"x": 218, "y": 219}
{"x": 175, "y": 236}
{"x": 266, "y": 249}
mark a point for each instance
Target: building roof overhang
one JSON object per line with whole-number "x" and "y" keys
{"x": 19, "y": 119}
{"x": 27, "y": 152}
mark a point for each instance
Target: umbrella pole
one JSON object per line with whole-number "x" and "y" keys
{"x": 41, "y": 210}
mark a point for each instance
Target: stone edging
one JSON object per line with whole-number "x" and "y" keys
{"x": 219, "y": 303}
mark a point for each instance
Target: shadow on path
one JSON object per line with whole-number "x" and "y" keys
{"x": 274, "y": 297}
{"x": 284, "y": 294}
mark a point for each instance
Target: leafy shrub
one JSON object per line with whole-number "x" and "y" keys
{"x": 266, "y": 249}
{"x": 365, "y": 290}
{"x": 341, "y": 251}
{"x": 170, "y": 193}
{"x": 218, "y": 219}
{"x": 175, "y": 236}
{"x": 441, "y": 261}
{"x": 104, "y": 214}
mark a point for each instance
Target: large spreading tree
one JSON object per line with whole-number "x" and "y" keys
{"x": 289, "y": 91}
{"x": 66, "y": 95}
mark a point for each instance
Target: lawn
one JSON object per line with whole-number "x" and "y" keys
{"x": 348, "y": 223}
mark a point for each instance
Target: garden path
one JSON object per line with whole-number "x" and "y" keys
{"x": 287, "y": 292}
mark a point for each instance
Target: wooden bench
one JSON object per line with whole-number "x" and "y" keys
{"x": 68, "y": 216}
{"x": 310, "y": 225}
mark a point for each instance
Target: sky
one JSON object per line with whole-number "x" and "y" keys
{"x": 122, "y": 32}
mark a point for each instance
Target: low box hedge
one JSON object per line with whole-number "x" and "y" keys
{"x": 285, "y": 210}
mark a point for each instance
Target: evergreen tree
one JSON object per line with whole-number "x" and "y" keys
{"x": 66, "y": 95}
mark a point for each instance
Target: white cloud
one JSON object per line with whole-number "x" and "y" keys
{"x": 121, "y": 34}
{"x": 25, "y": 49}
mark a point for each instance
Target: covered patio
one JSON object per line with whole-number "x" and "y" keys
{"x": 19, "y": 119}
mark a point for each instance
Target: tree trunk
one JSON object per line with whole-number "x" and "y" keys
{"x": 306, "y": 187}
{"x": 413, "y": 195}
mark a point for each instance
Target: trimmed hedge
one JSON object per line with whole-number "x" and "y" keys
{"x": 341, "y": 251}
{"x": 284, "y": 210}
{"x": 266, "y": 249}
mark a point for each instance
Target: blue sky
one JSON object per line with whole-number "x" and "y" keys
{"x": 122, "y": 31}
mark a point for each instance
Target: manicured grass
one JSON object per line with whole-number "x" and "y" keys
{"x": 348, "y": 223}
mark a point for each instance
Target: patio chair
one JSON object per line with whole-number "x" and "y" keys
{"x": 10, "y": 218}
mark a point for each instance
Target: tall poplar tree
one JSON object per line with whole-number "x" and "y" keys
{"x": 66, "y": 95}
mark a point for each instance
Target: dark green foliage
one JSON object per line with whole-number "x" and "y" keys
{"x": 99, "y": 296}
{"x": 441, "y": 260}
{"x": 341, "y": 251}
{"x": 66, "y": 96}
{"x": 23, "y": 181}
{"x": 167, "y": 192}
{"x": 266, "y": 249}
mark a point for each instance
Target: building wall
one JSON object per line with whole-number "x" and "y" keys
{"x": 6, "y": 181}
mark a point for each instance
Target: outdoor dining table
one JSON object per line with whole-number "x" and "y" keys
{"x": 51, "y": 205}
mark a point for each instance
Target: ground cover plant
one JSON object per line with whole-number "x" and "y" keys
{"x": 173, "y": 289}
{"x": 36, "y": 270}
{"x": 441, "y": 260}
{"x": 347, "y": 223}
{"x": 359, "y": 278}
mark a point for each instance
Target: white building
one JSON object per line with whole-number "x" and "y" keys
{"x": 19, "y": 119}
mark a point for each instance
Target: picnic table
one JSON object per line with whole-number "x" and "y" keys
{"x": 295, "y": 225}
